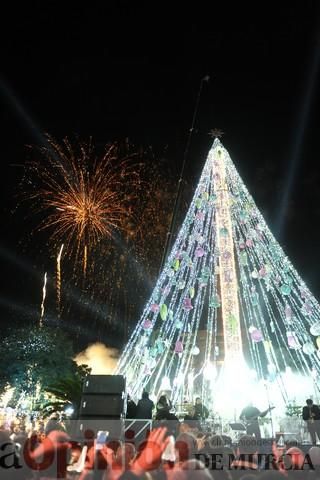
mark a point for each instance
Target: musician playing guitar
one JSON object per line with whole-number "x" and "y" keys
{"x": 250, "y": 416}
{"x": 311, "y": 415}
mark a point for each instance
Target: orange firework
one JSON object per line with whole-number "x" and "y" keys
{"x": 84, "y": 200}
{"x": 84, "y": 197}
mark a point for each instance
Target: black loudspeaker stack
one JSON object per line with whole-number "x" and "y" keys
{"x": 103, "y": 405}
{"x": 103, "y": 396}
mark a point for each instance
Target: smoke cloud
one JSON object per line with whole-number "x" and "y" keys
{"x": 101, "y": 359}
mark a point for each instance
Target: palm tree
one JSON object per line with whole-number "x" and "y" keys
{"x": 65, "y": 392}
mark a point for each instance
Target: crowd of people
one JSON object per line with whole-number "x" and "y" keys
{"x": 173, "y": 449}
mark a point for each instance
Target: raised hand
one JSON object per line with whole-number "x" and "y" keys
{"x": 101, "y": 459}
{"x": 150, "y": 456}
{"x": 278, "y": 456}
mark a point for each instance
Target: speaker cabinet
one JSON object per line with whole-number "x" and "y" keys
{"x": 104, "y": 405}
{"x": 100, "y": 384}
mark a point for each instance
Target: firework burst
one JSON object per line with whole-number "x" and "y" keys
{"x": 111, "y": 214}
{"x": 82, "y": 197}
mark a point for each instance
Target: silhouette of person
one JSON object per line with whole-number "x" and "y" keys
{"x": 311, "y": 415}
{"x": 250, "y": 416}
{"x": 145, "y": 407}
{"x": 200, "y": 411}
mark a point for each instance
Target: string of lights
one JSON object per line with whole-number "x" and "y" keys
{"x": 225, "y": 275}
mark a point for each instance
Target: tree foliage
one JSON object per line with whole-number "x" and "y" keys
{"x": 65, "y": 392}
{"x": 34, "y": 357}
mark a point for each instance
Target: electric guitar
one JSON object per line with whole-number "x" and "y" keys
{"x": 248, "y": 420}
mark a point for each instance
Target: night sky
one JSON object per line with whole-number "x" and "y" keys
{"x": 113, "y": 70}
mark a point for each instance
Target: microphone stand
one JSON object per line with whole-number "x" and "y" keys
{"x": 270, "y": 411}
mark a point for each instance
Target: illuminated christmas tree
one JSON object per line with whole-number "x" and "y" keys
{"x": 228, "y": 283}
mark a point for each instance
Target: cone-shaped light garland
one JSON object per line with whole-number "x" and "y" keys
{"x": 225, "y": 266}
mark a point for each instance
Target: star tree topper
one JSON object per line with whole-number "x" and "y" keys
{"x": 216, "y": 133}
